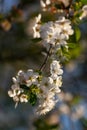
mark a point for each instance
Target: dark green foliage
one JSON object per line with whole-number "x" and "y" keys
{"x": 36, "y": 40}
{"x": 84, "y": 122}
{"x": 77, "y": 33}
{"x": 31, "y": 92}
{"x": 33, "y": 98}
{"x": 23, "y": 86}
{"x": 84, "y": 2}
{"x": 76, "y": 36}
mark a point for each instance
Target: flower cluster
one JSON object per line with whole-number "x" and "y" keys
{"x": 33, "y": 85}
{"x": 50, "y": 87}
{"x": 44, "y": 88}
{"x": 54, "y": 33}
{"x": 30, "y": 86}
{"x": 22, "y": 84}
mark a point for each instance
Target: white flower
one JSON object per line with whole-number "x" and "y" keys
{"x": 45, "y": 4}
{"x": 15, "y": 91}
{"x": 57, "y": 80}
{"x": 45, "y": 86}
{"x": 50, "y": 33}
{"x": 32, "y": 77}
{"x": 65, "y": 27}
{"x": 55, "y": 68}
{"x": 38, "y": 19}
{"x": 49, "y": 88}
{"x": 15, "y": 81}
{"x": 36, "y": 27}
{"x": 36, "y": 30}
{"x": 21, "y": 77}
{"x": 28, "y": 78}
{"x": 45, "y": 107}
{"x": 84, "y": 12}
{"x": 56, "y": 33}
{"x": 46, "y": 103}
{"x": 48, "y": 2}
{"x": 16, "y": 99}
{"x": 46, "y": 96}
{"x": 56, "y": 84}
{"x": 23, "y": 98}
{"x": 63, "y": 21}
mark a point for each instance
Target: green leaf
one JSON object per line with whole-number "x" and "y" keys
{"x": 71, "y": 45}
{"x": 77, "y": 33}
{"x": 83, "y": 1}
{"x": 75, "y": 52}
{"x": 36, "y": 40}
{"x": 32, "y": 99}
{"x": 23, "y": 86}
{"x": 77, "y": 5}
{"x": 72, "y": 39}
{"x": 76, "y": 36}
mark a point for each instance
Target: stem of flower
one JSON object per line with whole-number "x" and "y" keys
{"x": 45, "y": 61}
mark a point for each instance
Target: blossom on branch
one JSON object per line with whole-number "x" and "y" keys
{"x": 34, "y": 85}
{"x": 22, "y": 84}
{"x": 15, "y": 93}
{"x": 55, "y": 68}
{"x": 56, "y": 33}
{"x": 50, "y": 87}
{"x": 84, "y": 12}
{"x": 36, "y": 27}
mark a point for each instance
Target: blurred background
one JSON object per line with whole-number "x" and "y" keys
{"x": 18, "y": 51}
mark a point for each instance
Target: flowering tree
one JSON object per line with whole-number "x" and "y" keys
{"x": 58, "y": 36}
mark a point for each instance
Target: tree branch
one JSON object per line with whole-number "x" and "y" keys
{"x": 46, "y": 59}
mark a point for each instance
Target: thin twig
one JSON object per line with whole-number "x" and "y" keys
{"x": 45, "y": 61}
